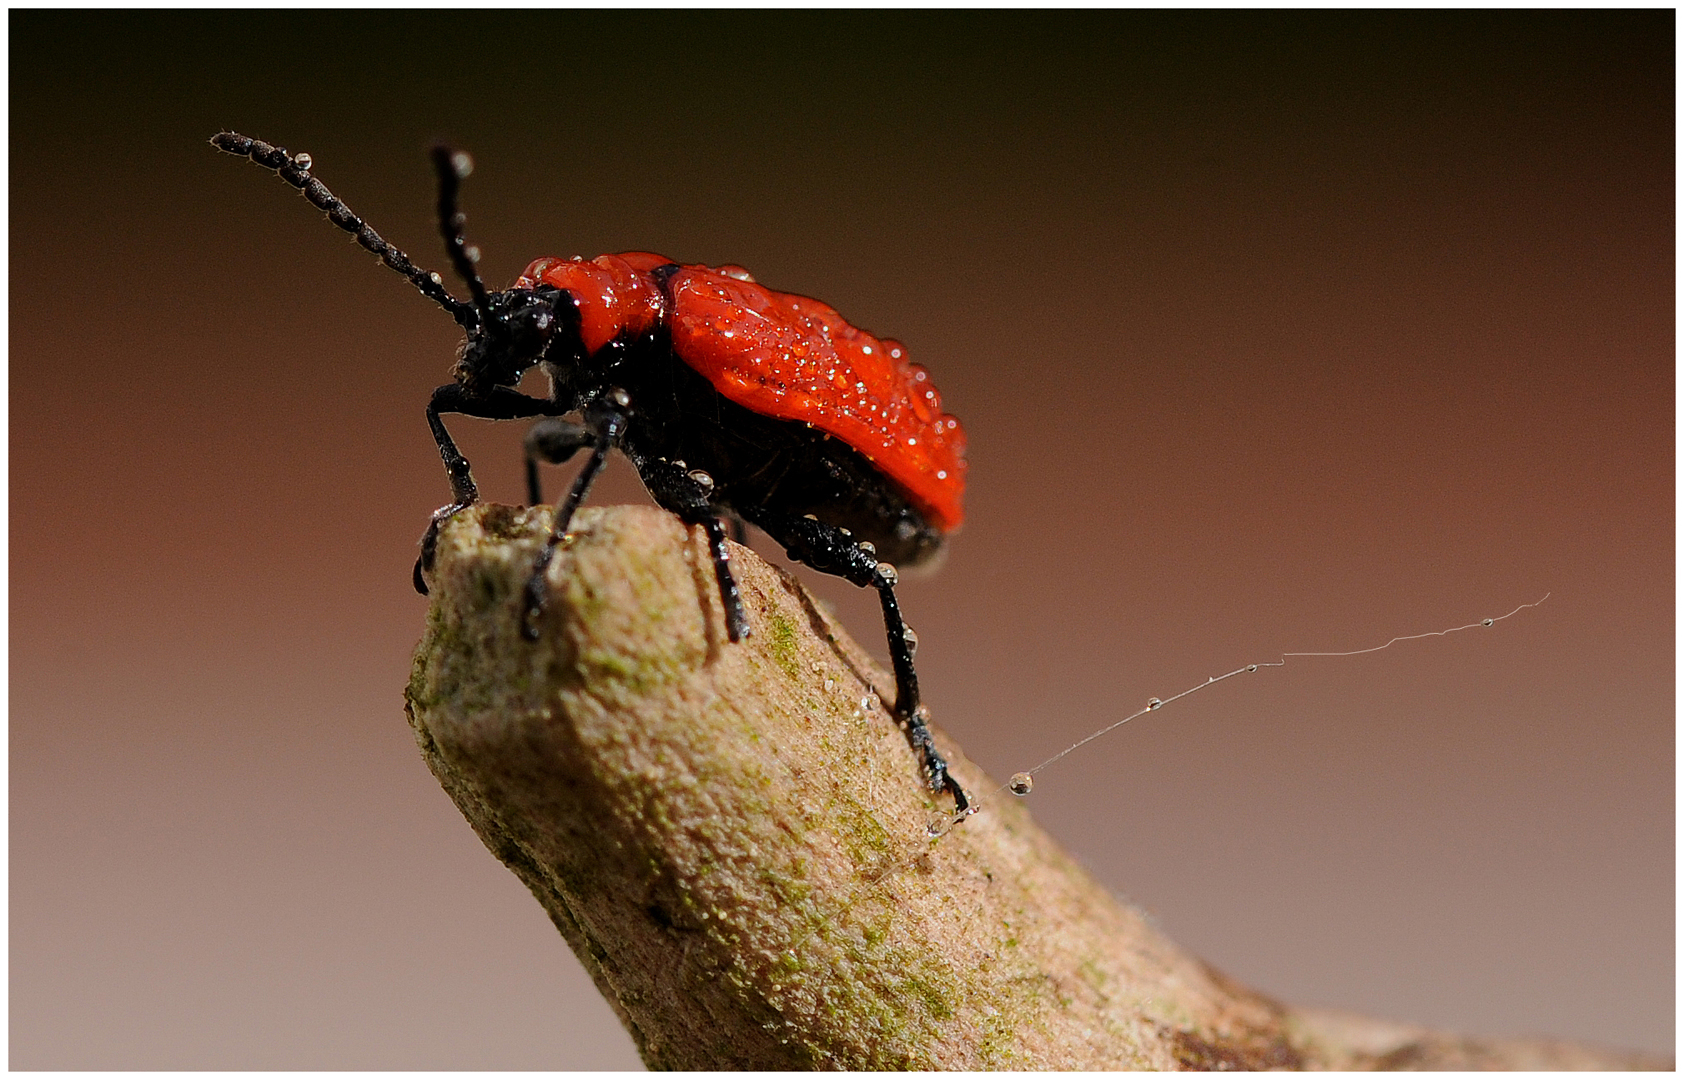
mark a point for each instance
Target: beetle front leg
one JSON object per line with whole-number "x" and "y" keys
{"x": 463, "y": 492}
{"x": 501, "y": 404}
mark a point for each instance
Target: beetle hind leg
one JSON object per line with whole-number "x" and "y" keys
{"x": 829, "y": 550}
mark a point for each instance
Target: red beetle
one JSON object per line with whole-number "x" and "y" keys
{"x": 729, "y": 398}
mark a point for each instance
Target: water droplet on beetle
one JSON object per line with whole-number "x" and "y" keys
{"x": 303, "y": 161}
{"x": 1021, "y": 784}
{"x": 1488, "y": 622}
{"x": 702, "y": 479}
{"x": 1153, "y": 703}
{"x": 910, "y": 636}
{"x": 888, "y": 573}
{"x": 463, "y": 164}
{"x": 1251, "y": 667}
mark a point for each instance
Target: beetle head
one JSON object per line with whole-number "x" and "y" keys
{"x": 517, "y": 329}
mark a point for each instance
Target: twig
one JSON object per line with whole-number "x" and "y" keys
{"x": 735, "y": 842}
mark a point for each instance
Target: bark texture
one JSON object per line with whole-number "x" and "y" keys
{"x": 735, "y": 840}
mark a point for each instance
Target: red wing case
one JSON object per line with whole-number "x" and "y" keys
{"x": 794, "y": 358}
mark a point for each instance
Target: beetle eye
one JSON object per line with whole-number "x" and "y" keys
{"x": 530, "y": 327}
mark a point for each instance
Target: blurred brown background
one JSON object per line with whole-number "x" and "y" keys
{"x": 1270, "y": 332}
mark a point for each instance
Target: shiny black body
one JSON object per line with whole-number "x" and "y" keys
{"x": 699, "y": 454}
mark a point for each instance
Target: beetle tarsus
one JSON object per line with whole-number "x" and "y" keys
{"x": 430, "y": 542}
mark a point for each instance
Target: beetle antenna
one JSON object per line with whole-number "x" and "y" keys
{"x": 453, "y": 166}
{"x": 295, "y": 170}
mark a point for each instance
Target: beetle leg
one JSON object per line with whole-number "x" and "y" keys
{"x": 677, "y": 490}
{"x": 606, "y": 420}
{"x": 553, "y": 442}
{"x": 500, "y": 404}
{"x": 463, "y": 493}
{"x": 829, "y": 550}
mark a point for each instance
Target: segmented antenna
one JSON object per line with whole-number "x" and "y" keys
{"x": 296, "y": 171}
{"x": 452, "y": 166}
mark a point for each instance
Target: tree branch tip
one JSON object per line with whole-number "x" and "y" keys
{"x": 733, "y": 838}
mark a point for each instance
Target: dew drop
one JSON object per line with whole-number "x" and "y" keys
{"x": 1488, "y": 622}
{"x": 303, "y": 161}
{"x": 1251, "y": 667}
{"x": 887, "y": 573}
{"x": 1153, "y": 703}
{"x": 910, "y": 636}
{"x": 702, "y": 479}
{"x": 463, "y": 164}
{"x": 1022, "y": 784}
{"x": 829, "y": 685}
{"x": 868, "y": 547}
